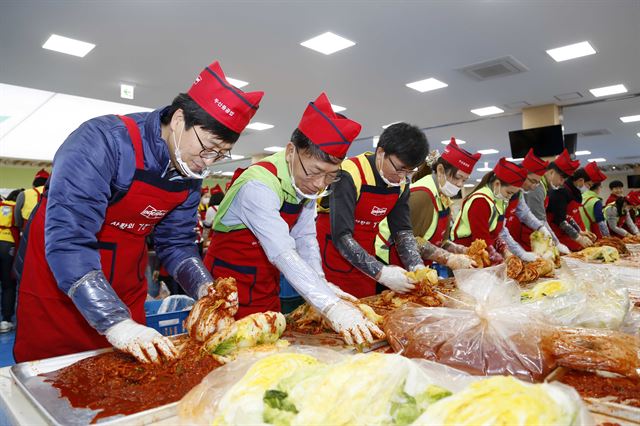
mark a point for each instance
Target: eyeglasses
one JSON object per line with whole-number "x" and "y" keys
{"x": 211, "y": 153}
{"x": 400, "y": 171}
{"x": 533, "y": 182}
{"x": 328, "y": 177}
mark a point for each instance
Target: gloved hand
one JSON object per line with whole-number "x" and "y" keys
{"x": 584, "y": 241}
{"x": 528, "y": 256}
{"x": 140, "y": 341}
{"x": 460, "y": 261}
{"x": 494, "y": 256}
{"x": 342, "y": 294}
{"x": 562, "y": 249}
{"x": 545, "y": 231}
{"x": 351, "y": 324}
{"x": 589, "y": 235}
{"x": 394, "y": 277}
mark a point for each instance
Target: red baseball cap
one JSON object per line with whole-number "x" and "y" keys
{"x": 566, "y": 164}
{"x": 42, "y": 173}
{"x": 594, "y": 172}
{"x": 511, "y": 173}
{"x": 229, "y": 105}
{"x": 216, "y": 189}
{"x": 533, "y": 164}
{"x": 634, "y": 198}
{"x": 331, "y": 133}
{"x": 460, "y": 158}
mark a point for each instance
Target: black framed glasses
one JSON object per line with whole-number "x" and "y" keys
{"x": 328, "y": 177}
{"x": 400, "y": 171}
{"x": 212, "y": 153}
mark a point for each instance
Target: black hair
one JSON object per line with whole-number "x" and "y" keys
{"x": 304, "y": 144}
{"x": 488, "y": 180}
{"x": 39, "y": 181}
{"x": 553, "y": 166}
{"x": 620, "y": 202}
{"x": 581, "y": 173}
{"x": 405, "y": 141}
{"x": 13, "y": 195}
{"x": 596, "y": 186}
{"x": 425, "y": 169}
{"x": 616, "y": 184}
{"x": 216, "y": 199}
{"x": 194, "y": 115}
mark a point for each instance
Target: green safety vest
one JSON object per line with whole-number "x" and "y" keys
{"x": 589, "y": 200}
{"x": 462, "y": 227}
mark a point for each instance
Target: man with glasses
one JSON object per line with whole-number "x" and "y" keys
{"x": 520, "y": 221}
{"x": 374, "y": 186}
{"x": 265, "y": 224}
{"x": 114, "y": 181}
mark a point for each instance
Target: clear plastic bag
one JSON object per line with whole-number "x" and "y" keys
{"x": 484, "y": 330}
{"x": 175, "y": 303}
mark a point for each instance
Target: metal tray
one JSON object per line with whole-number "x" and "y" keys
{"x": 57, "y": 410}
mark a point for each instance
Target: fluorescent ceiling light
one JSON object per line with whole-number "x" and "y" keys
{"x": 391, "y": 124}
{"x": 608, "y": 90}
{"x": 237, "y": 83}
{"x": 636, "y": 133}
{"x": 68, "y": 45}
{"x": 490, "y": 110}
{"x": 237, "y": 157}
{"x": 426, "y": 85}
{"x": 630, "y": 118}
{"x": 274, "y": 148}
{"x": 327, "y": 43}
{"x": 571, "y": 51}
{"x": 126, "y": 91}
{"x": 227, "y": 173}
{"x": 488, "y": 151}
{"x": 514, "y": 160}
{"x": 478, "y": 180}
{"x": 597, "y": 160}
{"x": 337, "y": 108}
{"x": 583, "y": 152}
{"x": 458, "y": 141}
{"x": 486, "y": 168}
{"x": 469, "y": 185}
{"x": 256, "y": 125}
{"x": 376, "y": 139}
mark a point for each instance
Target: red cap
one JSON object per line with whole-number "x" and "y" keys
{"x": 459, "y": 157}
{"x": 216, "y": 189}
{"x": 204, "y": 190}
{"x": 533, "y": 164}
{"x": 566, "y": 164}
{"x": 634, "y": 198}
{"x": 509, "y": 172}
{"x": 594, "y": 172}
{"x": 329, "y": 132}
{"x": 42, "y": 173}
{"x": 229, "y": 105}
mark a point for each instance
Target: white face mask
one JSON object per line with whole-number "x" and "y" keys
{"x": 298, "y": 191}
{"x": 384, "y": 179}
{"x": 205, "y": 200}
{"x": 449, "y": 189}
{"x": 182, "y": 165}
{"x": 583, "y": 188}
{"x": 499, "y": 195}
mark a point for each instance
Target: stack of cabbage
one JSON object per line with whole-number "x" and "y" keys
{"x": 380, "y": 389}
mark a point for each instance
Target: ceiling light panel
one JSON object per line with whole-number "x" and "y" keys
{"x": 327, "y": 43}
{"x": 571, "y": 51}
{"x": 68, "y": 45}
{"x": 490, "y": 110}
{"x": 274, "y": 148}
{"x": 488, "y": 151}
{"x": 426, "y": 85}
{"x": 259, "y": 126}
{"x": 608, "y": 90}
{"x": 630, "y": 118}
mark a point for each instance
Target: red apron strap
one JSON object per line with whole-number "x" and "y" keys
{"x": 269, "y": 166}
{"x": 136, "y": 139}
{"x": 363, "y": 179}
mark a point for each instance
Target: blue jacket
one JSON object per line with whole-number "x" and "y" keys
{"x": 94, "y": 167}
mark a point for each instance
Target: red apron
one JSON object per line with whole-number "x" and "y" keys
{"x": 49, "y": 324}
{"x": 372, "y": 207}
{"x": 439, "y": 234}
{"x": 573, "y": 210}
{"x": 518, "y": 230}
{"x": 466, "y": 241}
{"x": 238, "y": 254}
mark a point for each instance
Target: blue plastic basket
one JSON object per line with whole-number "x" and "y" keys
{"x": 286, "y": 290}
{"x": 168, "y": 324}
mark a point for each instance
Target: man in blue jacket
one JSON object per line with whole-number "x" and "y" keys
{"x": 114, "y": 181}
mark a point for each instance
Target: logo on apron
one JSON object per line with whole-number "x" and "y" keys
{"x": 378, "y": 211}
{"x": 151, "y": 212}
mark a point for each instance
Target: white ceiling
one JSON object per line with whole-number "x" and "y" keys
{"x": 160, "y": 46}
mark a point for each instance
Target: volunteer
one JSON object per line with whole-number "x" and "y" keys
{"x": 440, "y": 178}
{"x": 564, "y": 212}
{"x": 114, "y": 181}
{"x": 617, "y": 190}
{"x": 538, "y": 198}
{"x": 618, "y": 217}
{"x": 29, "y": 198}
{"x": 592, "y": 215}
{"x": 9, "y": 235}
{"x": 482, "y": 212}
{"x": 520, "y": 223}
{"x": 373, "y": 186}
{"x": 265, "y": 224}
{"x": 216, "y": 196}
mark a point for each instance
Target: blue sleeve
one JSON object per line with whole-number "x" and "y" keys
{"x": 597, "y": 212}
{"x": 175, "y": 236}
{"x": 77, "y": 199}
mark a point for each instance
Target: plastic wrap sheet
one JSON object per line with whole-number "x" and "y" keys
{"x": 485, "y": 330}
{"x": 175, "y": 303}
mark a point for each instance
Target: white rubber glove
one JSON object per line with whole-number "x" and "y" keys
{"x": 562, "y": 249}
{"x": 528, "y": 256}
{"x": 584, "y": 241}
{"x": 545, "y": 231}
{"x": 341, "y": 293}
{"x": 460, "y": 261}
{"x": 351, "y": 324}
{"x": 142, "y": 342}
{"x": 589, "y": 235}
{"x": 394, "y": 277}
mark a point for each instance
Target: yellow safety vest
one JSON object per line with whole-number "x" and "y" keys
{"x": 589, "y": 200}
{"x": 31, "y": 198}
{"x": 6, "y": 221}
{"x": 462, "y": 227}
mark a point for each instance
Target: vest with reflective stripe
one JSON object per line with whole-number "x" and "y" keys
{"x": 6, "y": 221}
{"x": 31, "y": 198}
{"x": 589, "y": 200}
{"x": 462, "y": 226}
